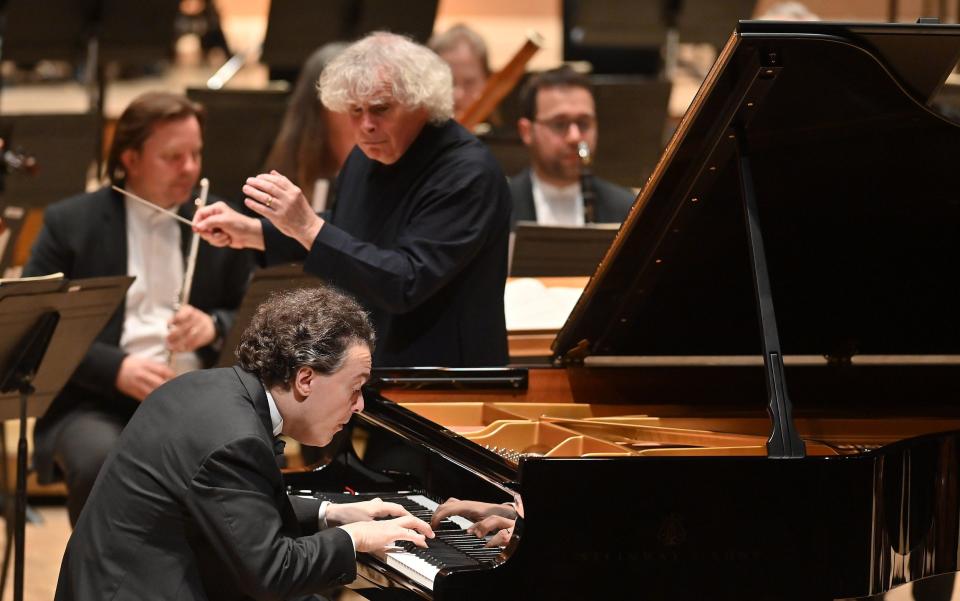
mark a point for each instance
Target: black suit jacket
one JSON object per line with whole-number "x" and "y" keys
{"x": 86, "y": 236}
{"x": 613, "y": 201}
{"x": 422, "y": 244}
{"x": 190, "y": 504}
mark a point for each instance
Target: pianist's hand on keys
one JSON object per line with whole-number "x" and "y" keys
{"x": 374, "y": 536}
{"x": 472, "y": 510}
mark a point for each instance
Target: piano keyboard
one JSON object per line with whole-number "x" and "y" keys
{"x": 452, "y": 546}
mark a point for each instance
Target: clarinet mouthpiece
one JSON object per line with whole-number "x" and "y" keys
{"x": 583, "y": 151}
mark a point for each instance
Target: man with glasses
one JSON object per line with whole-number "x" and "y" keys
{"x": 558, "y": 114}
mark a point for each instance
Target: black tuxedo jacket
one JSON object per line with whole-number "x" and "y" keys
{"x": 191, "y": 505}
{"x": 86, "y": 236}
{"x": 613, "y": 201}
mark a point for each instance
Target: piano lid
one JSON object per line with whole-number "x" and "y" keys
{"x": 857, "y": 195}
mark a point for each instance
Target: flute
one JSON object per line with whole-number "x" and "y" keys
{"x": 586, "y": 183}
{"x": 194, "y": 247}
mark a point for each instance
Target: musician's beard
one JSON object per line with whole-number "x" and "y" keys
{"x": 559, "y": 171}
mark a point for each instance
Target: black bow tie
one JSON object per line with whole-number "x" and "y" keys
{"x": 278, "y": 444}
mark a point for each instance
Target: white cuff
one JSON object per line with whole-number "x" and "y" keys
{"x": 322, "y": 515}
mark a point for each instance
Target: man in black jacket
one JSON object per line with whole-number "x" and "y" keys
{"x": 191, "y": 504}
{"x": 420, "y": 230}
{"x": 155, "y": 154}
{"x": 558, "y": 113}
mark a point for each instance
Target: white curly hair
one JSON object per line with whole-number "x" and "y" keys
{"x": 412, "y": 74}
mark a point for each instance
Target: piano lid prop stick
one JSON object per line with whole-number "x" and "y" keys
{"x": 156, "y": 208}
{"x": 194, "y": 247}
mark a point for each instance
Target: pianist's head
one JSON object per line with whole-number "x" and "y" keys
{"x": 390, "y": 88}
{"x": 311, "y": 349}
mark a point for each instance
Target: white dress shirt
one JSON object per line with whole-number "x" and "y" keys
{"x": 557, "y": 205}
{"x": 155, "y": 257}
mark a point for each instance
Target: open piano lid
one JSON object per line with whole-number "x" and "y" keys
{"x": 858, "y": 205}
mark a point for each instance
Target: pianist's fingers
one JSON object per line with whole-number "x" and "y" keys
{"x": 472, "y": 510}
{"x": 375, "y": 536}
{"x": 346, "y": 513}
{"x": 490, "y": 524}
{"x": 500, "y": 539}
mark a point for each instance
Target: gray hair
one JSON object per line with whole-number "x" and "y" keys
{"x": 306, "y": 327}
{"x": 414, "y": 76}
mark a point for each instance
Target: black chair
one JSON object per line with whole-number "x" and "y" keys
{"x": 232, "y": 153}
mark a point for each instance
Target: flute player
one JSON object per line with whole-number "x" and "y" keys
{"x": 155, "y": 154}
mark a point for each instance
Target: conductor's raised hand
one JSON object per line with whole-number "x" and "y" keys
{"x": 220, "y": 225}
{"x": 276, "y": 198}
{"x": 371, "y": 537}
{"x": 363, "y": 511}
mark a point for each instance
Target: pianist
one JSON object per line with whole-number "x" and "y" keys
{"x": 420, "y": 235}
{"x": 190, "y": 504}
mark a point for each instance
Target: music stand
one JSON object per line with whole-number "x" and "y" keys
{"x": 231, "y": 154}
{"x": 264, "y": 281}
{"x": 413, "y": 18}
{"x": 285, "y": 47}
{"x": 48, "y": 324}
{"x": 711, "y": 22}
{"x": 50, "y": 30}
{"x": 616, "y": 36}
{"x": 631, "y": 114}
{"x": 63, "y": 145}
{"x": 549, "y": 250}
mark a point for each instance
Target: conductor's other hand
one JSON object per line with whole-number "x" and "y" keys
{"x": 363, "y": 511}
{"x": 276, "y": 198}
{"x": 472, "y": 510}
{"x": 376, "y": 536}
{"x": 220, "y": 225}
{"x": 139, "y": 376}
{"x": 190, "y": 329}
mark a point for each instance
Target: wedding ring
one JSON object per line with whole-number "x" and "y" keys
{"x": 269, "y": 201}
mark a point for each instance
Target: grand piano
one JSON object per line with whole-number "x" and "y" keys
{"x": 758, "y": 394}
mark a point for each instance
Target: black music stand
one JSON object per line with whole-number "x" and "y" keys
{"x": 631, "y": 115}
{"x": 63, "y": 145}
{"x": 711, "y": 22}
{"x": 48, "y": 323}
{"x": 231, "y": 154}
{"x": 262, "y": 283}
{"x": 295, "y": 28}
{"x": 31, "y": 33}
{"x": 616, "y": 36}
{"x": 413, "y": 18}
{"x": 549, "y": 250}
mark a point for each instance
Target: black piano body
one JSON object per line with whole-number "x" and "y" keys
{"x": 808, "y": 178}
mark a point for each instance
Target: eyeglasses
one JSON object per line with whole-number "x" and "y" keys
{"x": 561, "y": 125}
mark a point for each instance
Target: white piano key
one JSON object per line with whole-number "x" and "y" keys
{"x": 419, "y": 570}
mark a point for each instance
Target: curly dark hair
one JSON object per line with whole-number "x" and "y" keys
{"x": 306, "y": 327}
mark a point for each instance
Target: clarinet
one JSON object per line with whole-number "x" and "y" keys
{"x": 586, "y": 183}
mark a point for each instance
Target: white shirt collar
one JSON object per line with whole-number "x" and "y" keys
{"x": 557, "y": 205}
{"x": 276, "y": 420}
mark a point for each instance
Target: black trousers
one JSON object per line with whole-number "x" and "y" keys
{"x": 82, "y": 442}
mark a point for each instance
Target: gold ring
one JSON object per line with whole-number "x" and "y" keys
{"x": 269, "y": 201}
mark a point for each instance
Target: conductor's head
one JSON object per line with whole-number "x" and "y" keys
{"x": 391, "y": 88}
{"x": 312, "y": 350}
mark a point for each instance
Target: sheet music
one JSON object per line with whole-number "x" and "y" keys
{"x": 530, "y": 305}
